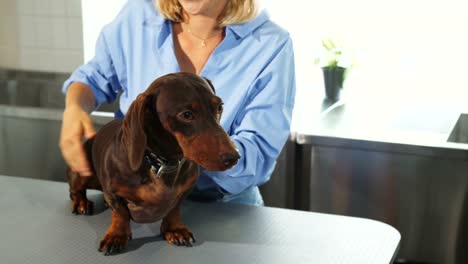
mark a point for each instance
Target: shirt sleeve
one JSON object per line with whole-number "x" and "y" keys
{"x": 262, "y": 128}
{"x": 99, "y": 74}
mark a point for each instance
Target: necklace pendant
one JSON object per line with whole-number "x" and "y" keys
{"x": 203, "y": 44}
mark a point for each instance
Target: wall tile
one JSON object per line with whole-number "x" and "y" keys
{"x": 27, "y": 31}
{"x": 29, "y": 59}
{"x": 4, "y": 42}
{"x": 8, "y": 57}
{"x": 25, "y": 7}
{"x": 47, "y": 60}
{"x": 75, "y": 33}
{"x": 44, "y": 32}
{"x": 8, "y": 31}
{"x": 59, "y": 32}
{"x": 11, "y": 31}
{"x": 42, "y": 7}
{"x": 8, "y": 7}
{"x": 74, "y": 8}
{"x": 4, "y": 7}
{"x": 58, "y": 7}
{"x": 68, "y": 61}
{"x": 41, "y": 35}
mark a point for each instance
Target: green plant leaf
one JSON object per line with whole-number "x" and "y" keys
{"x": 328, "y": 44}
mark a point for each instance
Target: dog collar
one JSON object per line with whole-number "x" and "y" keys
{"x": 160, "y": 165}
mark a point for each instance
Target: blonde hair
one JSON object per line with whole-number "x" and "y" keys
{"x": 235, "y": 12}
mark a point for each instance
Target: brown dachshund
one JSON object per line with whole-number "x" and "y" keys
{"x": 147, "y": 163}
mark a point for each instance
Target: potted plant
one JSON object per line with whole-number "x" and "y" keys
{"x": 334, "y": 66}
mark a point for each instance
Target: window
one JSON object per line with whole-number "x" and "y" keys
{"x": 399, "y": 46}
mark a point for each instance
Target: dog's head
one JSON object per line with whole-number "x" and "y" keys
{"x": 183, "y": 112}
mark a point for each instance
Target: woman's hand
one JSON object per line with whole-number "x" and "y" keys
{"x": 76, "y": 124}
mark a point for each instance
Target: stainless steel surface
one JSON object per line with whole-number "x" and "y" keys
{"x": 425, "y": 198}
{"x": 36, "y": 89}
{"x": 29, "y": 142}
{"x": 279, "y": 190}
{"x": 394, "y": 165}
{"x": 403, "y": 122}
{"x": 31, "y": 106}
{"x": 29, "y": 147}
{"x": 459, "y": 132}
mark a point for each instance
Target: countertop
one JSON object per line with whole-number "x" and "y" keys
{"x": 37, "y": 226}
{"x": 41, "y": 113}
{"x": 379, "y": 122}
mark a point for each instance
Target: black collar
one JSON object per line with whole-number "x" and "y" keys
{"x": 160, "y": 164}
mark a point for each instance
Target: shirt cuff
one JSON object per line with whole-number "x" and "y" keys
{"x": 98, "y": 94}
{"x": 232, "y": 180}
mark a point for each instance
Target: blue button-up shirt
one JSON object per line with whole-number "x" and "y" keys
{"x": 252, "y": 70}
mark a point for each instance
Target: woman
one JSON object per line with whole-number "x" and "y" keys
{"x": 247, "y": 57}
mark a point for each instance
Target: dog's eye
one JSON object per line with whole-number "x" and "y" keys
{"x": 220, "y": 107}
{"x": 186, "y": 116}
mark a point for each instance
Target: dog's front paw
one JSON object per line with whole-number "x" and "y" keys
{"x": 114, "y": 243}
{"x": 81, "y": 205}
{"x": 180, "y": 236}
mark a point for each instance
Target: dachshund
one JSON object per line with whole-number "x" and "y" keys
{"x": 148, "y": 162}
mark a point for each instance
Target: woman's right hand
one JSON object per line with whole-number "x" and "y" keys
{"x": 76, "y": 124}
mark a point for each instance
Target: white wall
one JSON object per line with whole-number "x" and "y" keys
{"x": 401, "y": 47}
{"x": 41, "y": 35}
{"x": 96, "y": 14}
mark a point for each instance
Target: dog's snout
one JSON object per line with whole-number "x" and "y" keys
{"x": 230, "y": 159}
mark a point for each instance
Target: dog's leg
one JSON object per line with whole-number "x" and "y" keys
{"x": 119, "y": 231}
{"x": 174, "y": 231}
{"x": 78, "y": 186}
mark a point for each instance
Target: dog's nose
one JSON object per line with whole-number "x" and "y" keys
{"x": 230, "y": 159}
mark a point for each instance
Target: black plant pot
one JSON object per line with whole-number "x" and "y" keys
{"x": 333, "y": 77}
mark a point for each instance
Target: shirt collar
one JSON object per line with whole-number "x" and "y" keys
{"x": 154, "y": 20}
{"x": 244, "y": 29}
{"x": 241, "y": 30}
{"x": 159, "y": 23}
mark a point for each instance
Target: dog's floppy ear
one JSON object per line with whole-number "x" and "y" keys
{"x": 134, "y": 135}
{"x": 210, "y": 84}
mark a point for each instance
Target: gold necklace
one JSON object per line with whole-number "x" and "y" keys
{"x": 203, "y": 40}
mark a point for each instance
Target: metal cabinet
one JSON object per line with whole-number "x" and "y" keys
{"x": 279, "y": 191}
{"x": 425, "y": 197}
